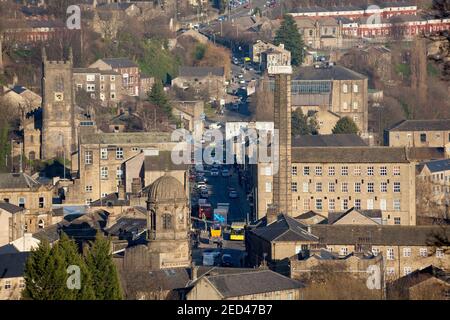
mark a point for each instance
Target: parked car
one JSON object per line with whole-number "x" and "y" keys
{"x": 233, "y": 194}
{"x": 204, "y": 193}
{"x": 225, "y": 172}
{"x": 227, "y": 261}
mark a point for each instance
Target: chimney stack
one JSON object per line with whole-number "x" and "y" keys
{"x": 121, "y": 191}
{"x": 136, "y": 186}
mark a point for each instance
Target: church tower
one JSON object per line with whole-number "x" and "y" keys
{"x": 58, "y": 114}
{"x": 168, "y": 224}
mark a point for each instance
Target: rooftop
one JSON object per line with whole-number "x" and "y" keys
{"x": 422, "y": 125}
{"x": 331, "y": 140}
{"x": 327, "y": 73}
{"x": 162, "y": 162}
{"x": 11, "y": 208}
{"x": 248, "y": 283}
{"x": 138, "y": 138}
{"x": 201, "y": 71}
{"x": 17, "y": 181}
{"x": 380, "y": 235}
{"x": 120, "y": 62}
{"x": 94, "y": 70}
{"x": 349, "y": 155}
{"x": 284, "y": 229}
{"x": 438, "y": 166}
{"x": 12, "y": 265}
{"x": 334, "y": 217}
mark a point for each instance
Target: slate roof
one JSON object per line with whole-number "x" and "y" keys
{"x": 379, "y": 235}
{"x": 309, "y": 214}
{"x": 248, "y": 283}
{"x": 349, "y": 155}
{"x": 120, "y": 62}
{"x": 439, "y": 165}
{"x": 330, "y": 140}
{"x": 162, "y": 162}
{"x": 128, "y": 225}
{"x": 11, "y": 208}
{"x": 425, "y": 153}
{"x": 333, "y": 73}
{"x": 422, "y": 125}
{"x": 17, "y": 181}
{"x": 333, "y": 217}
{"x": 12, "y": 265}
{"x": 284, "y": 229}
{"x": 94, "y": 70}
{"x": 201, "y": 71}
{"x": 141, "y": 280}
{"x": 138, "y": 138}
{"x": 111, "y": 199}
{"x": 400, "y": 287}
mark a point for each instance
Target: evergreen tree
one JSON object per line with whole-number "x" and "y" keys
{"x": 302, "y": 125}
{"x": 345, "y": 125}
{"x": 105, "y": 278}
{"x": 158, "y": 97}
{"x": 45, "y": 275}
{"x": 68, "y": 249}
{"x": 288, "y": 35}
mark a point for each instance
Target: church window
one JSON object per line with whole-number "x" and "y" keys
{"x": 167, "y": 221}
{"x": 41, "y": 224}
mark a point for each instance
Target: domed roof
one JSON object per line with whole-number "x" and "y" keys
{"x": 166, "y": 188}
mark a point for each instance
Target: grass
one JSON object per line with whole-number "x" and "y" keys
{"x": 404, "y": 70}
{"x": 432, "y": 70}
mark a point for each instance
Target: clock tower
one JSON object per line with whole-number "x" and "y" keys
{"x": 58, "y": 118}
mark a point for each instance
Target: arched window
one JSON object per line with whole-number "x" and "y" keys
{"x": 41, "y": 224}
{"x": 167, "y": 221}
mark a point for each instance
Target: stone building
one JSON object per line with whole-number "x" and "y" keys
{"x": 420, "y": 133}
{"x": 329, "y": 179}
{"x": 321, "y": 33}
{"x": 26, "y": 192}
{"x": 100, "y": 163}
{"x": 208, "y": 79}
{"x": 430, "y": 283}
{"x": 58, "y": 112}
{"x": 273, "y": 243}
{"x": 12, "y": 222}
{"x": 403, "y": 248}
{"x": 104, "y": 85}
{"x": 267, "y": 54}
{"x": 354, "y": 264}
{"x": 250, "y": 285}
{"x": 190, "y": 113}
{"x": 131, "y": 80}
{"x": 167, "y": 244}
{"x": 335, "y": 88}
{"x": 169, "y": 222}
{"x": 12, "y": 268}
